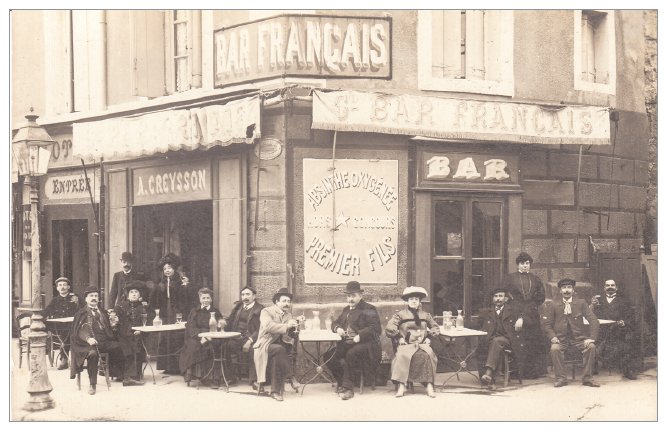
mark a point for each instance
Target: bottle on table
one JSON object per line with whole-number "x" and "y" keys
{"x": 460, "y": 321}
{"x": 212, "y": 322}
{"x": 157, "y": 321}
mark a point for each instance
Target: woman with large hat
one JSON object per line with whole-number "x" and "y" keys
{"x": 171, "y": 297}
{"x": 411, "y": 329}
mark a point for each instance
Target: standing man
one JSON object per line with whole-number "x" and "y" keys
{"x": 92, "y": 333}
{"x": 66, "y": 304}
{"x": 617, "y": 346}
{"x": 528, "y": 292}
{"x": 359, "y": 350}
{"x": 503, "y": 323}
{"x": 564, "y": 326}
{"x": 122, "y": 278}
{"x": 244, "y": 318}
{"x": 274, "y": 344}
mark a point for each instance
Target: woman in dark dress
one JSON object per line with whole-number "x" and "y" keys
{"x": 196, "y": 358}
{"x": 170, "y": 297}
{"x": 528, "y": 292}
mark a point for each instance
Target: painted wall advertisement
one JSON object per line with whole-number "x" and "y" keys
{"x": 350, "y": 220}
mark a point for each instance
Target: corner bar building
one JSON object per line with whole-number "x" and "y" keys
{"x": 307, "y": 150}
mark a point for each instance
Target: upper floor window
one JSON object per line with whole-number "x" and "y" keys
{"x": 594, "y": 51}
{"x": 466, "y": 51}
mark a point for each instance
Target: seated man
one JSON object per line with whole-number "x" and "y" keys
{"x": 129, "y": 312}
{"x": 617, "y": 345}
{"x": 564, "y": 326}
{"x": 66, "y": 304}
{"x": 244, "y": 318}
{"x": 359, "y": 327}
{"x": 92, "y": 333}
{"x": 274, "y": 344}
{"x": 503, "y": 323}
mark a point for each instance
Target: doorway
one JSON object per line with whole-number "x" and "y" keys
{"x": 70, "y": 253}
{"x": 468, "y": 249}
{"x": 185, "y": 229}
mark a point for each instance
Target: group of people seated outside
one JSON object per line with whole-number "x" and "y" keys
{"x": 518, "y": 321}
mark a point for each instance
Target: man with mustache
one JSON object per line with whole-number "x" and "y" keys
{"x": 565, "y": 328}
{"x": 244, "y": 318}
{"x": 500, "y": 323}
{"x": 122, "y": 279}
{"x": 618, "y": 341}
{"x": 359, "y": 350}
{"x": 275, "y": 343}
{"x": 93, "y": 333}
{"x": 65, "y": 304}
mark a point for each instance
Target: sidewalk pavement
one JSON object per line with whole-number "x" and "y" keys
{"x": 170, "y": 399}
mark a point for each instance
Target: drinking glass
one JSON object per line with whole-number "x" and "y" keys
{"x": 144, "y": 318}
{"x": 179, "y": 317}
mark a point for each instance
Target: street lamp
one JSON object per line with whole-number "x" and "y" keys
{"x": 30, "y": 148}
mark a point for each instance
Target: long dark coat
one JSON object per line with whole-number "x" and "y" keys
{"x": 618, "y": 343}
{"x": 129, "y": 314}
{"x": 179, "y": 300}
{"x": 80, "y": 333}
{"x": 63, "y": 306}
{"x": 507, "y": 318}
{"x": 252, "y": 324}
{"x": 194, "y": 352}
{"x": 528, "y": 292}
{"x": 118, "y": 293}
{"x": 363, "y": 320}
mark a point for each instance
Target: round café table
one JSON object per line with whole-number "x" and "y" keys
{"x": 223, "y": 337}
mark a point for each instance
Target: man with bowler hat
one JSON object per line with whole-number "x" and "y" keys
{"x": 244, "y": 318}
{"x": 359, "y": 350}
{"x": 65, "y": 304}
{"x": 563, "y": 323}
{"x": 122, "y": 278}
{"x": 93, "y": 333}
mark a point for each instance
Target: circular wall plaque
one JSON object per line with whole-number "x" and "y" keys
{"x": 268, "y": 149}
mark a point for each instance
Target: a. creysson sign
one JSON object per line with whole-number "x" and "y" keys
{"x": 172, "y": 183}
{"x": 303, "y": 45}
{"x": 350, "y": 221}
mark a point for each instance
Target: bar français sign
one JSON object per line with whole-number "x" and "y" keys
{"x": 460, "y": 119}
{"x": 303, "y": 45}
{"x": 172, "y": 183}
{"x": 350, "y": 221}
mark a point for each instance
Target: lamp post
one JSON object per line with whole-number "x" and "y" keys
{"x": 31, "y": 152}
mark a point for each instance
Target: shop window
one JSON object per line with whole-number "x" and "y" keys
{"x": 468, "y": 253}
{"x": 466, "y": 51}
{"x": 594, "y": 51}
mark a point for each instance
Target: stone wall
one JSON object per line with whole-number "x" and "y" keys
{"x": 650, "y": 16}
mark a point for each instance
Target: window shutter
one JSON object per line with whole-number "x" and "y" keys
{"x": 81, "y": 60}
{"x": 147, "y": 49}
{"x": 452, "y": 43}
{"x": 474, "y": 46}
{"x": 493, "y": 45}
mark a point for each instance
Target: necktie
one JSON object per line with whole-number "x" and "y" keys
{"x": 567, "y": 307}
{"x": 498, "y": 310}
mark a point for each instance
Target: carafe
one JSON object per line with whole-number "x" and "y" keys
{"x": 316, "y": 322}
{"x": 460, "y": 321}
{"x": 212, "y": 323}
{"x": 157, "y": 321}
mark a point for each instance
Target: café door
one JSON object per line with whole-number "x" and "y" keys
{"x": 468, "y": 248}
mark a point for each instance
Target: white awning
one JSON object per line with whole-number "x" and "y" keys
{"x": 159, "y": 132}
{"x": 460, "y": 119}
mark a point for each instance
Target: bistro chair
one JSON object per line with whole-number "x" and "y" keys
{"x": 103, "y": 366}
{"x": 573, "y": 357}
{"x": 510, "y": 367}
{"x": 23, "y": 321}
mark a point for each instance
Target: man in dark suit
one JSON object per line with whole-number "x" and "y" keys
{"x": 122, "y": 279}
{"x": 617, "y": 340}
{"x": 359, "y": 327}
{"x": 93, "y": 333}
{"x": 244, "y": 318}
{"x": 503, "y": 323}
{"x": 564, "y": 324}
{"x": 65, "y": 304}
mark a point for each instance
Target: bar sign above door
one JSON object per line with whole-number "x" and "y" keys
{"x": 172, "y": 183}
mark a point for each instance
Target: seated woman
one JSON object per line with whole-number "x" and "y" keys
{"x": 196, "y": 358}
{"x": 411, "y": 329}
